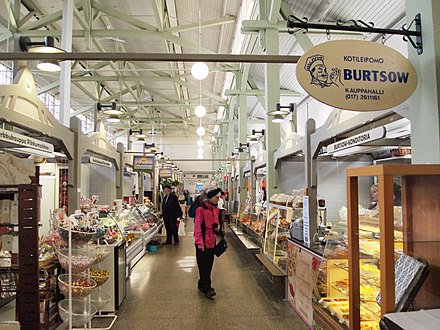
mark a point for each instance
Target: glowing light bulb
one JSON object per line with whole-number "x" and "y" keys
{"x": 200, "y": 131}
{"x": 200, "y": 111}
{"x": 199, "y": 70}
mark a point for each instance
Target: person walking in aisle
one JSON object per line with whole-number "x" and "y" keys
{"x": 206, "y": 227}
{"x": 171, "y": 211}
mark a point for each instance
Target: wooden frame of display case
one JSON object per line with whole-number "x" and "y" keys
{"x": 420, "y": 225}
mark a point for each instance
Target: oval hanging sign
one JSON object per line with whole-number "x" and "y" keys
{"x": 356, "y": 75}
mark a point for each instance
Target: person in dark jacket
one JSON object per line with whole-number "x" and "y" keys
{"x": 206, "y": 228}
{"x": 171, "y": 211}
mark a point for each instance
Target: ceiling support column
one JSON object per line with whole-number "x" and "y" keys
{"x": 242, "y": 136}
{"x": 272, "y": 97}
{"x": 66, "y": 69}
{"x": 425, "y": 102}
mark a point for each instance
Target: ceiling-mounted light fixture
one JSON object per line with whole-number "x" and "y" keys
{"x": 200, "y": 143}
{"x": 255, "y": 136}
{"x": 138, "y": 134}
{"x": 150, "y": 147}
{"x": 46, "y": 46}
{"x": 199, "y": 70}
{"x": 200, "y": 111}
{"x": 113, "y": 119}
{"x": 200, "y": 131}
{"x": 277, "y": 119}
{"x": 200, "y": 156}
{"x": 109, "y": 109}
{"x": 278, "y": 114}
{"x": 200, "y": 151}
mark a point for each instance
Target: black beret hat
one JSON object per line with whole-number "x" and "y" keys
{"x": 213, "y": 192}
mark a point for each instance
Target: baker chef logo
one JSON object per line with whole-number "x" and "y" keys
{"x": 318, "y": 71}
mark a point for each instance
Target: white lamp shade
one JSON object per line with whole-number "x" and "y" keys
{"x": 200, "y": 156}
{"x": 200, "y": 143}
{"x": 49, "y": 66}
{"x": 277, "y": 119}
{"x": 200, "y": 151}
{"x": 113, "y": 119}
{"x": 199, "y": 70}
{"x": 200, "y": 111}
{"x": 200, "y": 131}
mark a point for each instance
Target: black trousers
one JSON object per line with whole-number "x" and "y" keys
{"x": 171, "y": 228}
{"x": 205, "y": 261}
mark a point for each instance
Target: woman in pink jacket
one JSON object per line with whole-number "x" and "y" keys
{"x": 206, "y": 227}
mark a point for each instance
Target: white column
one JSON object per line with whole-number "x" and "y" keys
{"x": 66, "y": 44}
{"x": 425, "y": 103}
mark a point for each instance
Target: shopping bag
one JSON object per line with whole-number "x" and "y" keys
{"x": 220, "y": 247}
{"x": 181, "y": 230}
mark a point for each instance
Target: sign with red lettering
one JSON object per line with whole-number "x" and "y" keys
{"x": 356, "y": 75}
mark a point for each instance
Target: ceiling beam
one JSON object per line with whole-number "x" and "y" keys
{"x": 203, "y": 24}
{"x": 257, "y": 92}
{"x": 42, "y": 21}
{"x": 151, "y": 57}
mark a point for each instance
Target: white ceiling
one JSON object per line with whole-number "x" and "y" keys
{"x": 164, "y": 94}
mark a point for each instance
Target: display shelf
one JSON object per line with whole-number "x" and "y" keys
{"x": 279, "y": 218}
{"x": 420, "y": 231}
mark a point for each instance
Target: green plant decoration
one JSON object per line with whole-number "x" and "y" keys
{"x": 169, "y": 182}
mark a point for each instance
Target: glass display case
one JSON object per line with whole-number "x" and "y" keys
{"x": 139, "y": 225}
{"x": 278, "y": 221}
{"x": 249, "y": 226}
{"x": 332, "y": 302}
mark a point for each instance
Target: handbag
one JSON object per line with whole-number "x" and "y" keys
{"x": 220, "y": 247}
{"x": 181, "y": 230}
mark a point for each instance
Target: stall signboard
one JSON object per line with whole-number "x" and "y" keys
{"x": 200, "y": 187}
{"x": 356, "y": 75}
{"x": 361, "y": 138}
{"x": 302, "y": 276}
{"x": 25, "y": 141}
{"x": 165, "y": 173}
{"x": 100, "y": 162}
{"x": 143, "y": 163}
{"x": 306, "y": 220}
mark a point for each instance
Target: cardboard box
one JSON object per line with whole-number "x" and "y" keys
{"x": 9, "y": 325}
{"x": 7, "y": 242}
{"x": 6, "y": 211}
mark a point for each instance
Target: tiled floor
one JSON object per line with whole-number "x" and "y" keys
{"x": 162, "y": 293}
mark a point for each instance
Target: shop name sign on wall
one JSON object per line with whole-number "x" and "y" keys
{"x": 143, "y": 163}
{"x": 101, "y": 162}
{"x": 25, "y": 141}
{"x": 356, "y": 75}
{"x": 362, "y": 138}
{"x": 164, "y": 173}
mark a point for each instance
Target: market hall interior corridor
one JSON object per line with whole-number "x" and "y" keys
{"x": 162, "y": 292}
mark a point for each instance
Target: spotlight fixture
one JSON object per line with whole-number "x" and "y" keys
{"x": 200, "y": 143}
{"x": 113, "y": 119}
{"x": 279, "y": 113}
{"x": 254, "y": 137}
{"x": 277, "y": 119}
{"x": 46, "y": 46}
{"x": 151, "y": 147}
{"x": 140, "y": 136}
{"x": 242, "y": 147}
{"x": 109, "y": 109}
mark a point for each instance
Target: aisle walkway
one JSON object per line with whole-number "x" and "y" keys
{"x": 162, "y": 293}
